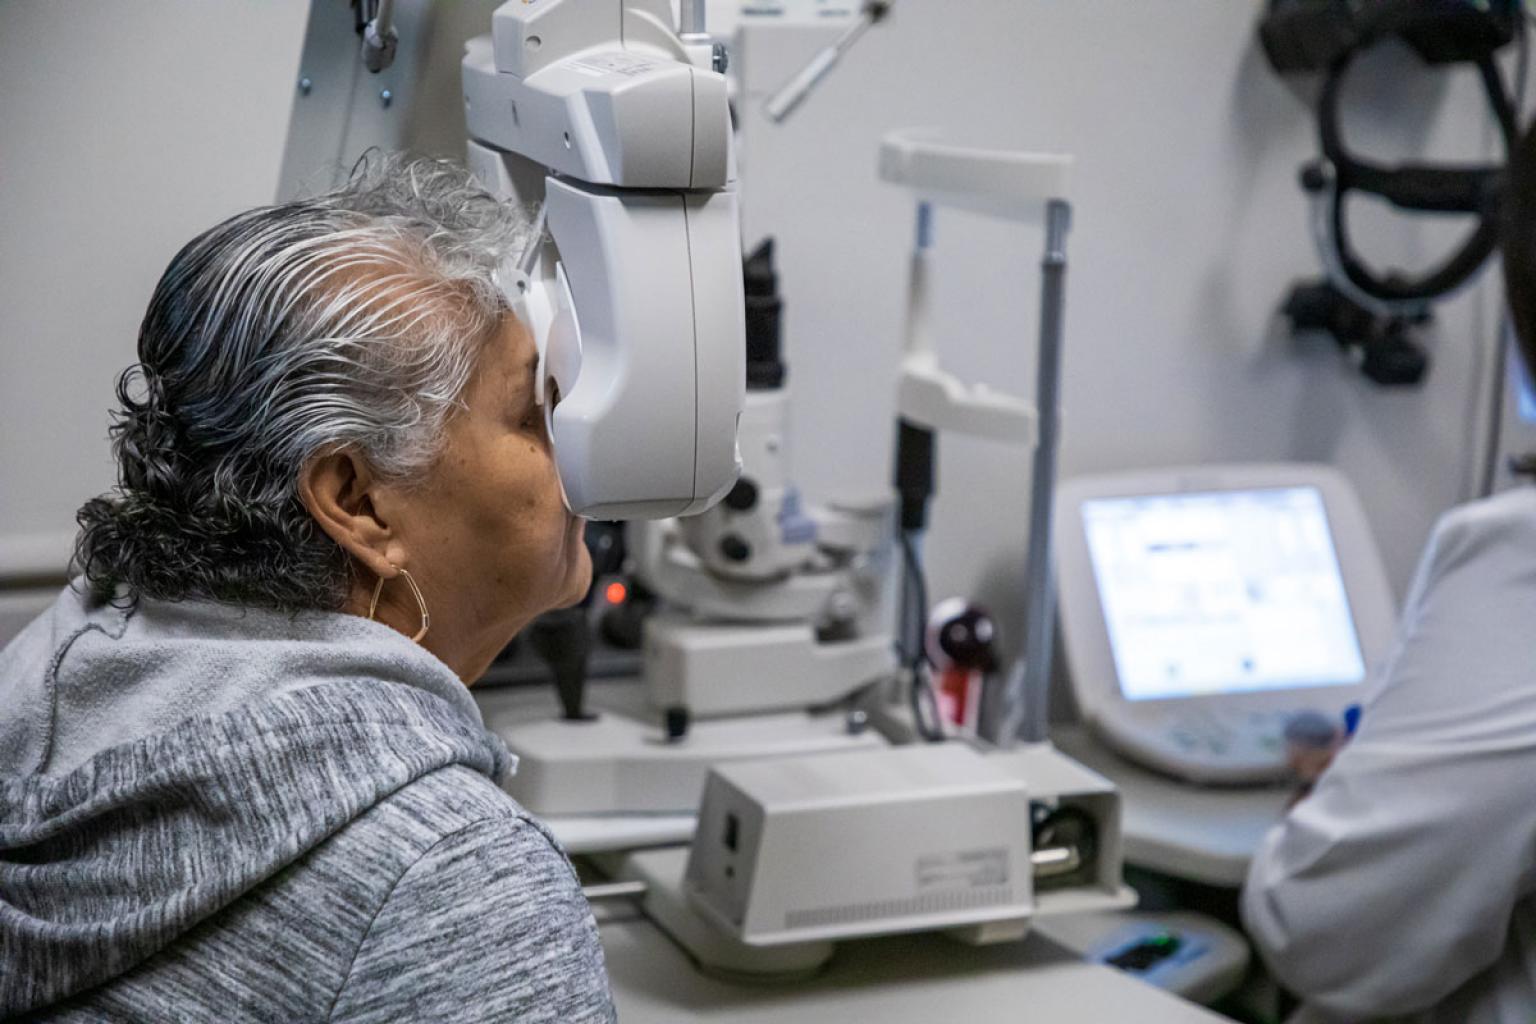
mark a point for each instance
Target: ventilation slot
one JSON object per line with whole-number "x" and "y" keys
{"x": 932, "y": 903}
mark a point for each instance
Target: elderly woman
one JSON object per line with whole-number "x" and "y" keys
{"x": 241, "y": 775}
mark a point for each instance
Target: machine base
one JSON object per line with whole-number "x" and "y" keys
{"x": 715, "y": 952}
{"x": 720, "y": 954}
{"x": 713, "y": 669}
{"x": 621, "y": 761}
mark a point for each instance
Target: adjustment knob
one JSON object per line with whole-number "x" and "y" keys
{"x": 734, "y": 548}
{"x": 742, "y": 497}
{"x": 675, "y": 721}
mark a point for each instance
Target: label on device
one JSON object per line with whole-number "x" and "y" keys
{"x": 965, "y": 869}
{"x": 1216, "y": 593}
{"x": 614, "y": 64}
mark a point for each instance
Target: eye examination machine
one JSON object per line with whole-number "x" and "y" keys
{"x": 768, "y": 729}
{"x": 631, "y": 288}
{"x": 773, "y": 792}
{"x": 961, "y": 634}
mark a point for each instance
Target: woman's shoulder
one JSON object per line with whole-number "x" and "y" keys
{"x": 490, "y": 902}
{"x": 444, "y": 803}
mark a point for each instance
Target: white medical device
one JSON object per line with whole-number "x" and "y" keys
{"x": 596, "y": 113}
{"x": 1017, "y": 186}
{"x": 772, "y": 603}
{"x": 615, "y": 126}
{"x": 1203, "y": 607}
{"x": 863, "y": 843}
{"x": 795, "y": 854}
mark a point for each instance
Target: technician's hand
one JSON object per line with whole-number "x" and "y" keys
{"x": 1311, "y": 743}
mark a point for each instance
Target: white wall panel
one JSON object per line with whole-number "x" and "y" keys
{"x": 1189, "y": 230}
{"x": 125, "y": 129}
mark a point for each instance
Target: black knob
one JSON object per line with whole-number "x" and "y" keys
{"x": 967, "y": 639}
{"x": 675, "y": 721}
{"x": 743, "y": 497}
{"x": 734, "y": 548}
{"x": 563, "y": 640}
{"x": 1315, "y": 176}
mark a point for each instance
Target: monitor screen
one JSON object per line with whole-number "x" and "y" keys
{"x": 1223, "y": 592}
{"x": 1520, "y": 380}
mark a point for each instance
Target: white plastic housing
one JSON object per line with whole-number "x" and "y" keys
{"x": 932, "y": 397}
{"x": 649, "y": 430}
{"x": 609, "y": 116}
{"x": 620, "y": 763}
{"x": 669, "y": 566}
{"x": 717, "y": 668}
{"x": 863, "y": 843}
{"x": 773, "y": 544}
{"x": 994, "y": 182}
{"x": 594, "y": 110}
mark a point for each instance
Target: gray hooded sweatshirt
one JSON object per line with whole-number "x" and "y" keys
{"x": 214, "y": 813}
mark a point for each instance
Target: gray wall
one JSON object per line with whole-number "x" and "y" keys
{"x": 125, "y": 129}
{"x": 1189, "y": 229}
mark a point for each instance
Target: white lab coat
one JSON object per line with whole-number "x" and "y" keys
{"x": 1405, "y": 885}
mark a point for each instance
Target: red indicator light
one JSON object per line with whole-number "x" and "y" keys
{"x": 616, "y": 592}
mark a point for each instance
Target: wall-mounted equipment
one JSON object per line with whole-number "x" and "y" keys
{"x": 1374, "y": 314}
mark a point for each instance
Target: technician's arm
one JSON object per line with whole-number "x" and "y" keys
{"x": 1394, "y": 882}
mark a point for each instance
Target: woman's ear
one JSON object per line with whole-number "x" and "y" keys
{"x": 339, "y": 490}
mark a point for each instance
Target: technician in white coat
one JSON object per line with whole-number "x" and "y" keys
{"x": 1404, "y": 885}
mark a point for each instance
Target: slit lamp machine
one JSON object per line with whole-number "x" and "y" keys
{"x": 767, "y": 707}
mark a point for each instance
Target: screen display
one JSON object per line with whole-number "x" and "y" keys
{"x": 1520, "y": 380}
{"x": 1226, "y": 592}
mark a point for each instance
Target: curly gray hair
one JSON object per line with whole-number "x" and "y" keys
{"x": 352, "y": 319}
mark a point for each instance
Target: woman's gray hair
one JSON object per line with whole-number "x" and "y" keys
{"x": 350, "y": 320}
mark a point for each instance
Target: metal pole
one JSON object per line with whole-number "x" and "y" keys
{"x": 691, "y": 18}
{"x": 1028, "y": 696}
{"x": 614, "y": 890}
{"x": 790, "y": 95}
{"x": 380, "y": 40}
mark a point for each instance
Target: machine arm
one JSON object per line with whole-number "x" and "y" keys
{"x": 595, "y": 114}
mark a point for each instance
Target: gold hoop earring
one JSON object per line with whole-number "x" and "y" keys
{"x": 421, "y": 603}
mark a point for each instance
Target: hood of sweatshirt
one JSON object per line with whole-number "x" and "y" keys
{"x": 159, "y": 761}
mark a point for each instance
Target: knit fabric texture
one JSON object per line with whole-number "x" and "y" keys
{"x": 212, "y": 813}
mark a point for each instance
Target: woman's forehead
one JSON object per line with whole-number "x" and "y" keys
{"x": 511, "y": 355}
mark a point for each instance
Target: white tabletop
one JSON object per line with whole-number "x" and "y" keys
{"x": 916, "y": 978}
{"x": 505, "y": 706}
{"x": 1200, "y": 833}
